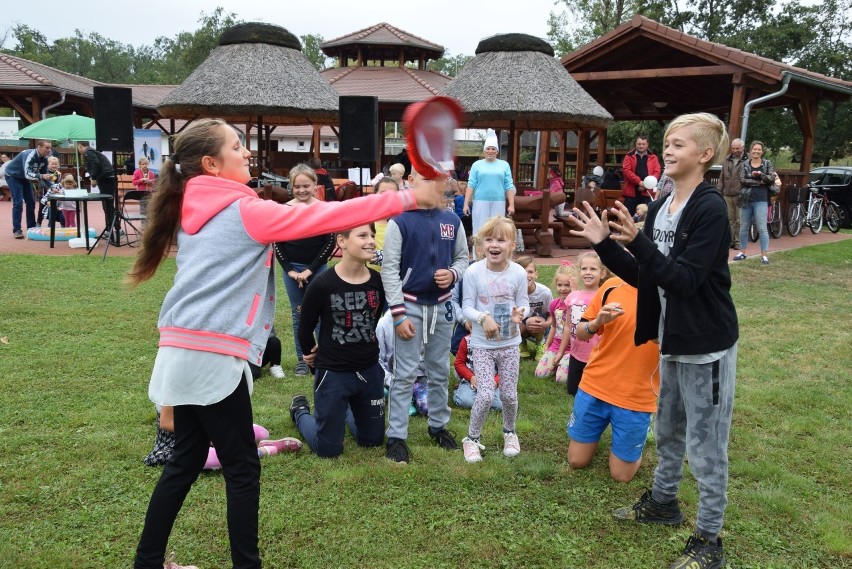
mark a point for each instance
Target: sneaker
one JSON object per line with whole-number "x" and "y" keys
{"x": 649, "y": 511}
{"x": 740, "y": 257}
{"x": 472, "y": 449}
{"x": 701, "y": 553}
{"x": 444, "y": 439}
{"x": 525, "y": 352}
{"x": 276, "y": 371}
{"x": 19, "y": 234}
{"x": 287, "y": 444}
{"x": 511, "y": 446}
{"x": 764, "y": 260}
{"x": 302, "y": 368}
{"x": 539, "y": 351}
{"x": 299, "y": 402}
{"x": 397, "y": 451}
{"x": 169, "y": 563}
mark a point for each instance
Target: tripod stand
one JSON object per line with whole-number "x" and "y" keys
{"x": 112, "y": 232}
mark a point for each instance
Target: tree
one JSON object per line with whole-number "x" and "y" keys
{"x": 180, "y": 55}
{"x": 311, "y": 49}
{"x": 449, "y": 65}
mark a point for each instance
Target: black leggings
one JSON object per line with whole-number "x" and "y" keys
{"x": 575, "y": 374}
{"x": 228, "y": 425}
{"x": 271, "y": 356}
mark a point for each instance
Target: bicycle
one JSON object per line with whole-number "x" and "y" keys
{"x": 774, "y": 222}
{"x": 819, "y": 209}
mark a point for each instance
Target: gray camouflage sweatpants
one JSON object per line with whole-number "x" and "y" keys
{"x": 694, "y": 418}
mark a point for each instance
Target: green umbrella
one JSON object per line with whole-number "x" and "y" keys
{"x": 67, "y": 127}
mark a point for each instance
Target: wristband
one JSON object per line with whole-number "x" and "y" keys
{"x": 482, "y": 317}
{"x": 400, "y": 321}
{"x": 589, "y": 331}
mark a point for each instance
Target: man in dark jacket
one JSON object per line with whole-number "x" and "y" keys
{"x": 27, "y": 167}
{"x": 637, "y": 165}
{"x": 100, "y": 169}
{"x": 730, "y": 186}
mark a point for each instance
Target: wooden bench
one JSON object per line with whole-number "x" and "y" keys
{"x": 125, "y": 183}
{"x": 533, "y": 218}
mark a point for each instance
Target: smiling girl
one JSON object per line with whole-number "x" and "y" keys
{"x": 495, "y": 300}
{"x": 302, "y": 259}
{"x": 218, "y": 315}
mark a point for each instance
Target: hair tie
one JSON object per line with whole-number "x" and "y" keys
{"x": 566, "y": 263}
{"x": 177, "y": 168}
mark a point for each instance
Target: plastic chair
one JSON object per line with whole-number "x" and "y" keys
{"x": 134, "y": 212}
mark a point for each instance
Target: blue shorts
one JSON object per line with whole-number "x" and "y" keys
{"x": 591, "y": 416}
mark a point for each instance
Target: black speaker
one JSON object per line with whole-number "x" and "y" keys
{"x": 359, "y": 128}
{"x": 114, "y": 119}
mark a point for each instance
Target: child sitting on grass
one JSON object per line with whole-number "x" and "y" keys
{"x": 555, "y": 360}
{"x": 534, "y": 326}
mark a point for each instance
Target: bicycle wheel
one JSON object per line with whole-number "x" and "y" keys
{"x": 752, "y": 233}
{"x": 815, "y": 220}
{"x": 776, "y": 223}
{"x": 832, "y": 218}
{"x": 794, "y": 219}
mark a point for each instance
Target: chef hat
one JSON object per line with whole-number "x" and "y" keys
{"x": 491, "y": 139}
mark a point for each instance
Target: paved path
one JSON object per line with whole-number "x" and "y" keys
{"x": 8, "y": 244}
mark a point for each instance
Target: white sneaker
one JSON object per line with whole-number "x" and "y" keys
{"x": 276, "y": 371}
{"x": 472, "y": 449}
{"x": 511, "y": 446}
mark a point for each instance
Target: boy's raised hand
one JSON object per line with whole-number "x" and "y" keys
{"x": 623, "y": 226}
{"x": 590, "y": 227}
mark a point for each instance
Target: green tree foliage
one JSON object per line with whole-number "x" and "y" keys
{"x": 311, "y": 49}
{"x": 449, "y": 65}
{"x": 168, "y": 61}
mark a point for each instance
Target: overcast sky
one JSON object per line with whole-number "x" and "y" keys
{"x": 458, "y": 25}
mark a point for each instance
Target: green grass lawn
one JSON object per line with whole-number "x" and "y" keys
{"x": 75, "y": 422}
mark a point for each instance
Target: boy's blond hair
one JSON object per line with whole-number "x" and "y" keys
{"x": 52, "y": 159}
{"x": 398, "y": 169}
{"x": 499, "y": 226}
{"x": 707, "y": 132}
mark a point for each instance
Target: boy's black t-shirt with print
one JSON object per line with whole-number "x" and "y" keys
{"x": 348, "y": 315}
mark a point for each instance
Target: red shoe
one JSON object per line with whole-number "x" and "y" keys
{"x": 287, "y": 444}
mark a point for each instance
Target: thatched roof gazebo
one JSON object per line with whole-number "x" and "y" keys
{"x": 515, "y": 83}
{"x": 257, "y": 74}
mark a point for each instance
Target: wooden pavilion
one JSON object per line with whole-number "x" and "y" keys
{"x": 643, "y": 70}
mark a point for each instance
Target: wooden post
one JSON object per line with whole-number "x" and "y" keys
{"x": 808, "y": 126}
{"x": 563, "y": 142}
{"x": 315, "y": 141}
{"x": 735, "y": 121}
{"x": 602, "y": 147}
{"x": 582, "y": 157}
{"x": 543, "y": 159}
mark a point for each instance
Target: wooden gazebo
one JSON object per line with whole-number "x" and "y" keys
{"x": 690, "y": 75}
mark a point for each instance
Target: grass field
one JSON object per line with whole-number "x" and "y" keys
{"x": 75, "y": 422}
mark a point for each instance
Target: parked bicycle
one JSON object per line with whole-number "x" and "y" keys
{"x": 819, "y": 209}
{"x": 774, "y": 222}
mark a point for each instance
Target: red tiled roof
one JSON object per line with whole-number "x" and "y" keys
{"x": 16, "y": 72}
{"x": 382, "y": 34}
{"x": 390, "y": 84}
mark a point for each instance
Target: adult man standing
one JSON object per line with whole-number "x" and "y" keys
{"x": 729, "y": 185}
{"x": 637, "y": 165}
{"x": 21, "y": 171}
{"x": 100, "y": 169}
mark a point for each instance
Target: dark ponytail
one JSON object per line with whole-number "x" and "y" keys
{"x": 203, "y": 137}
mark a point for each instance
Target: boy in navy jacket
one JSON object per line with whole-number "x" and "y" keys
{"x": 425, "y": 254}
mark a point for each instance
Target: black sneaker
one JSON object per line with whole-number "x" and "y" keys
{"x": 649, "y": 511}
{"x": 397, "y": 451}
{"x": 299, "y": 402}
{"x": 444, "y": 439}
{"x": 19, "y": 234}
{"x": 701, "y": 553}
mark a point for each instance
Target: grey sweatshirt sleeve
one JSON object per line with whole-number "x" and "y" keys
{"x": 390, "y": 268}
